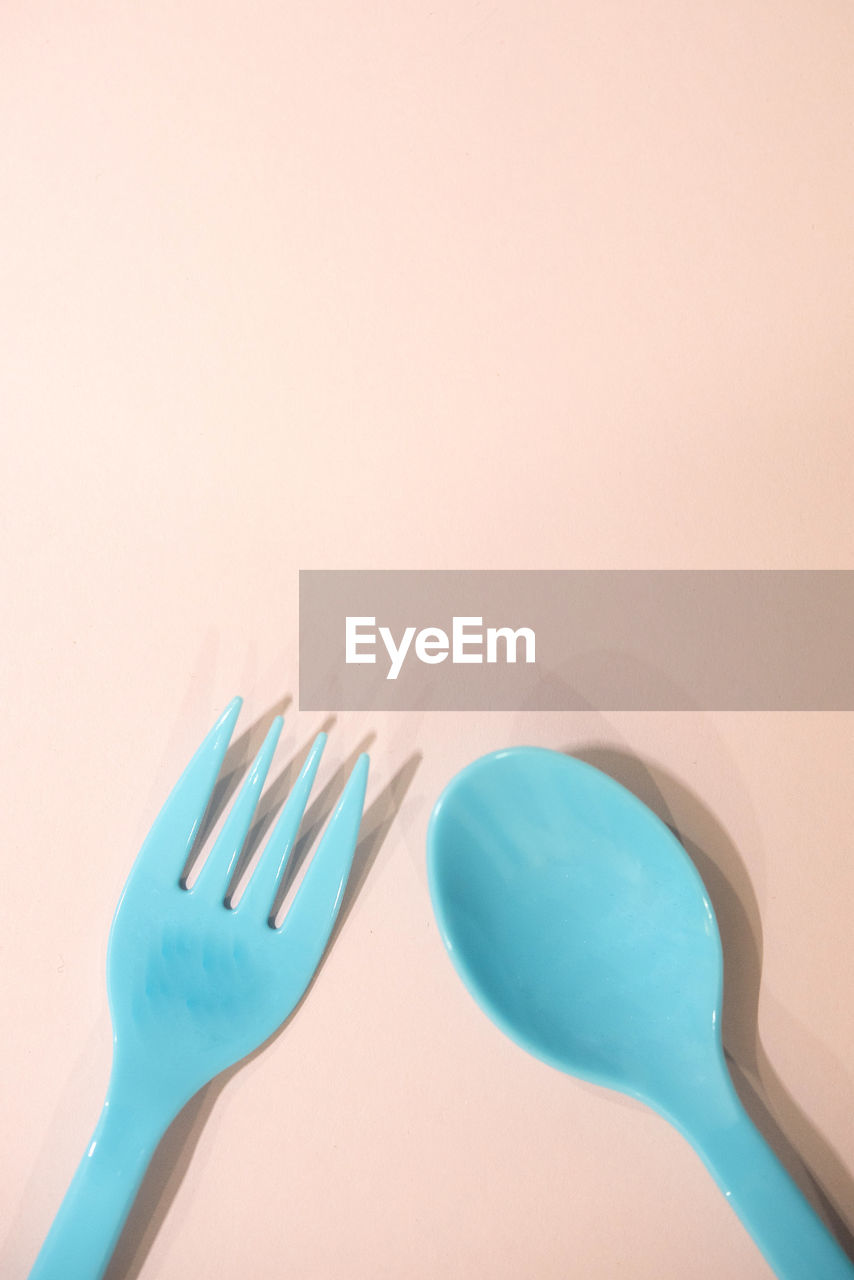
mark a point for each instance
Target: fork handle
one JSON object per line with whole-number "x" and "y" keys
{"x": 89, "y": 1221}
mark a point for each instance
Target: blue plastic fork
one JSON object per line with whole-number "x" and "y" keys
{"x": 195, "y": 985}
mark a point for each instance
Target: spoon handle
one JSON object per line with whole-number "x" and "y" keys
{"x": 783, "y": 1224}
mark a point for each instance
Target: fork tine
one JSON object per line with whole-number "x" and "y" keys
{"x": 165, "y": 848}
{"x": 213, "y": 879}
{"x": 259, "y": 892}
{"x": 312, "y": 914}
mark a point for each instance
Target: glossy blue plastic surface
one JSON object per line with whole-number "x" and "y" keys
{"x": 580, "y": 924}
{"x": 195, "y": 985}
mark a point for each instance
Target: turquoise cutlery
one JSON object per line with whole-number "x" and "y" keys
{"x": 579, "y": 923}
{"x": 195, "y": 985}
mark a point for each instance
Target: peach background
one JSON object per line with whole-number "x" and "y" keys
{"x": 409, "y": 285}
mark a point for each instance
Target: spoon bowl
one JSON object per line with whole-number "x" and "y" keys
{"x": 578, "y": 921}
{"x": 582, "y": 927}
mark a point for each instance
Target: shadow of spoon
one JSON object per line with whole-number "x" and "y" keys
{"x": 807, "y": 1156}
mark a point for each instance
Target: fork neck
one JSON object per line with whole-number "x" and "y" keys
{"x": 140, "y": 1105}
{"x": 138, "y": 1109}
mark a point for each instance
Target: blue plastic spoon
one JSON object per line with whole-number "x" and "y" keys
{"x": 579, "y": 923}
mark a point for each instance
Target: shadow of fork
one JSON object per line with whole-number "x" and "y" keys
{"x": 172, "y": 1158}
